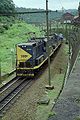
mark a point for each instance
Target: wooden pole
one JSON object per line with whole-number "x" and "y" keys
{"x": 47, "y": 43}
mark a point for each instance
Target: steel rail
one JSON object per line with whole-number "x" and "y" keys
{"x": 8, "y": 83}
{"x": 14, "y": 93}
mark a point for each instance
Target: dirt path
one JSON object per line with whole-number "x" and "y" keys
{"x": 26, "y": 105}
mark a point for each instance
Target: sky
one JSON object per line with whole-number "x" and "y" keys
{"x": 53, "y": 4}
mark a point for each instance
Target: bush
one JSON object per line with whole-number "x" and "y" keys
{"x": 51, "y": 113}
{"x": 10, "y": 24}
{"x": 6, "y": 26}
{"x": 2, "y": 30}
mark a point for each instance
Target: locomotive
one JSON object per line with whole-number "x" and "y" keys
{"x": 30, "y": 56}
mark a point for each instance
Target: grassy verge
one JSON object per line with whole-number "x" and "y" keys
{"x": 44, "y": 111}
{"x": 78, "y": 118}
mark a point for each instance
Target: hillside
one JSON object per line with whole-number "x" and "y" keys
{"x": 41, "y": 17}
{"x": 37, "y": 17}
{"x": 17, "y": 33}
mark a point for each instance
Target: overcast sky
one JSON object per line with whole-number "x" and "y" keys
{"x": 53, "y": 4}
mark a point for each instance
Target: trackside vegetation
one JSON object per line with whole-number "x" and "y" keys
{"x": 17, "y": 33}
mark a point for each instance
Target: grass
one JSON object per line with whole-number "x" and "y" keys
{"x": 77, "y": 118}
{"x": 44, "y": 111}
{"x": 51, "y": 114}
{"x": 16, "y": 34}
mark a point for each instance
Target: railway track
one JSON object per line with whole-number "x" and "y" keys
{"x": 7, "y": 88}
{"x": 10, "y": 92}
{"x": 7, "y": 84}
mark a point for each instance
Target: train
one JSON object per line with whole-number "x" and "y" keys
{"x": 31, "y": 55}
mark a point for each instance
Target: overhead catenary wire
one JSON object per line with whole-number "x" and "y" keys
{"x": 16, "y": 13}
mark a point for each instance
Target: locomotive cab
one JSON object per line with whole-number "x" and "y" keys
{"x": 29, "y": 56}
{"x": 24, "y": 58}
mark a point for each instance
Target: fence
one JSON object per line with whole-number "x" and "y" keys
{"x": 74, "y": 41}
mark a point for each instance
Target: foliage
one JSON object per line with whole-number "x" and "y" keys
{"x": 5, "y": 23}
{"x": 2, "y": 29}
{"x": 51, "y": 114}
{"x": 37, "y": 17}
{"x": 41, "y": 17}
{"x": 78, "y": 118}
{"x": 15, "y": 34}
{"x": 7, "y": 6}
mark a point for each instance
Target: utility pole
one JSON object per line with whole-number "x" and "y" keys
{"x": 47, "y": 24}
{"x": 48, "y": 51}
{"x": 50, "y": 23}
{"x": 57, "y": 26}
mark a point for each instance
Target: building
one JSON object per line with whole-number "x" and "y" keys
{"x": 76, "y": 20}
{"x": 67, "y": 17}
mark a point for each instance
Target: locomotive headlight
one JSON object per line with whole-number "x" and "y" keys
{"x": 23, "y": 46}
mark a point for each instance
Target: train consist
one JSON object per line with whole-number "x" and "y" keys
{"x": 30, "y": 56}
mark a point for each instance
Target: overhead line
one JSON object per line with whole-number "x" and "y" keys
{"x": 16, "y": 13}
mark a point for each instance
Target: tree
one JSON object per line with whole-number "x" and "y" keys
{"x": 7, "y": 6}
